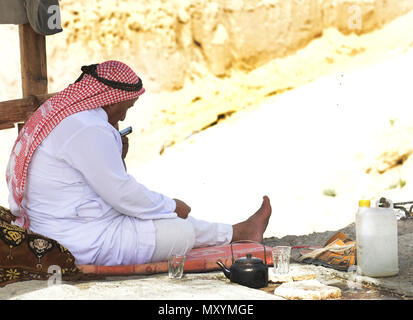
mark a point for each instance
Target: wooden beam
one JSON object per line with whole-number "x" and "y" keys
{"x": 19, "y": 110}
{"x": 6, "y": 126}
{"x": 33, "y": 63}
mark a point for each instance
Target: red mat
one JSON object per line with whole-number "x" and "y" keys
{"x": 197, "y": 260}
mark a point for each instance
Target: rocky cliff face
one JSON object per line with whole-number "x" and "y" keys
{"x": 171, "y": 41}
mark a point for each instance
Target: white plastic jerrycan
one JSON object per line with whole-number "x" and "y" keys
{"x": 376, "y": 238}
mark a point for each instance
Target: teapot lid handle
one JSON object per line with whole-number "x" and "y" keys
{"x": 232, "y": 252}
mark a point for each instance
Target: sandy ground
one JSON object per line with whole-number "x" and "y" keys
{"x": 306, "y": 143}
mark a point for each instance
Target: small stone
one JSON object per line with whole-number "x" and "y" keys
{"x": 279, "y": 278}
{"x": 295, "y": 274}
{"x": 307, "y": 290}
{"x": 302, "y": 275}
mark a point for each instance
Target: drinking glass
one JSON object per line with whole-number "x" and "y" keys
{"x": 281, "y": 259}
{"x": 176, "y": 264}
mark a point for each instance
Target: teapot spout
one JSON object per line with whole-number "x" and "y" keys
{"x": 224, "y": 269}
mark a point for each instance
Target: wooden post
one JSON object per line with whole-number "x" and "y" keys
{"x": 33, "y": 62}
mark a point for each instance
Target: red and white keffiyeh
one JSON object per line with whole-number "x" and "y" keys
{"x": 88, "y": 93}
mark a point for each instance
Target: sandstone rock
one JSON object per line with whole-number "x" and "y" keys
{"x": 279, "y": 278}
{"x": 295, "y": 274}
{"x": 307, "y": 290}
{"x": 299, "y": 276}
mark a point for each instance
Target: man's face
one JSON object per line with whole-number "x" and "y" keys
{"x": 117, "y": 112}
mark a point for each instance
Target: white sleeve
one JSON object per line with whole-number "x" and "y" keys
{"x": 95, "y": 152}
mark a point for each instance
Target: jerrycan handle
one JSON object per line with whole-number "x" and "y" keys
{"x": 232, "y": 252}
{"x": 384, "y": 203}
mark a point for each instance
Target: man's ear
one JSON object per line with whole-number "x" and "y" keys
{"x": 108, "y": 108}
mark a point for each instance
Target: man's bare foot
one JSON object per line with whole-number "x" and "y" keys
{"x": 254, "y": 227}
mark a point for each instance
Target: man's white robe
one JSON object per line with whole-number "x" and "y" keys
{"x": 79, "y": 194}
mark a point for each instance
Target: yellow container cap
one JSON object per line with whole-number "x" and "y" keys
{"x": 364, "y": 203}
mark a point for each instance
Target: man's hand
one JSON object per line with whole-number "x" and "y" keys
{"x": 182, "y": 209}
{"x": 125, "y": 146}
{"x": 125, "y": 142}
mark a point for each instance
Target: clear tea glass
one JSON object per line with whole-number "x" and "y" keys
{"x": 176, "y": 264}
{"x": 281, "y": 259}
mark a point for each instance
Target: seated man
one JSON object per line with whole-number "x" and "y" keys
{"x": 67, "y": 180}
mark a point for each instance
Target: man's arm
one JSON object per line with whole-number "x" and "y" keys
{"x": 125, "y": 146}
{"x": 95, "y": 152}
{"x": 182, "y": 209}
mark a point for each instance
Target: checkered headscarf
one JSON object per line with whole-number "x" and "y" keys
{"x": 98, "y": 86}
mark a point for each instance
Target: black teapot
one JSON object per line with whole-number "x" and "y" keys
{"x": 247, "y": 271}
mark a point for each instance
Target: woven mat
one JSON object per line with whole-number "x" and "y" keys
{"x": 198, "y": 260}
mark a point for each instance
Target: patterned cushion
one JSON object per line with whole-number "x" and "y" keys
{"x": 6, "y": 215}
{"x": 25, "y": 255}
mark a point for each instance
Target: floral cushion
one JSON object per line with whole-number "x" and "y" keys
{"x": 25, "y": 255}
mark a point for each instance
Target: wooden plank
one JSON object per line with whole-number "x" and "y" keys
{"x": 6, "y": 126}
{"x": 33, "y": 62}
{"x": 19, "y": 110}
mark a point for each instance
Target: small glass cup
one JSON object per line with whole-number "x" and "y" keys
{"x": 281, "y": 259}
{"x": 176, "y": 264}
